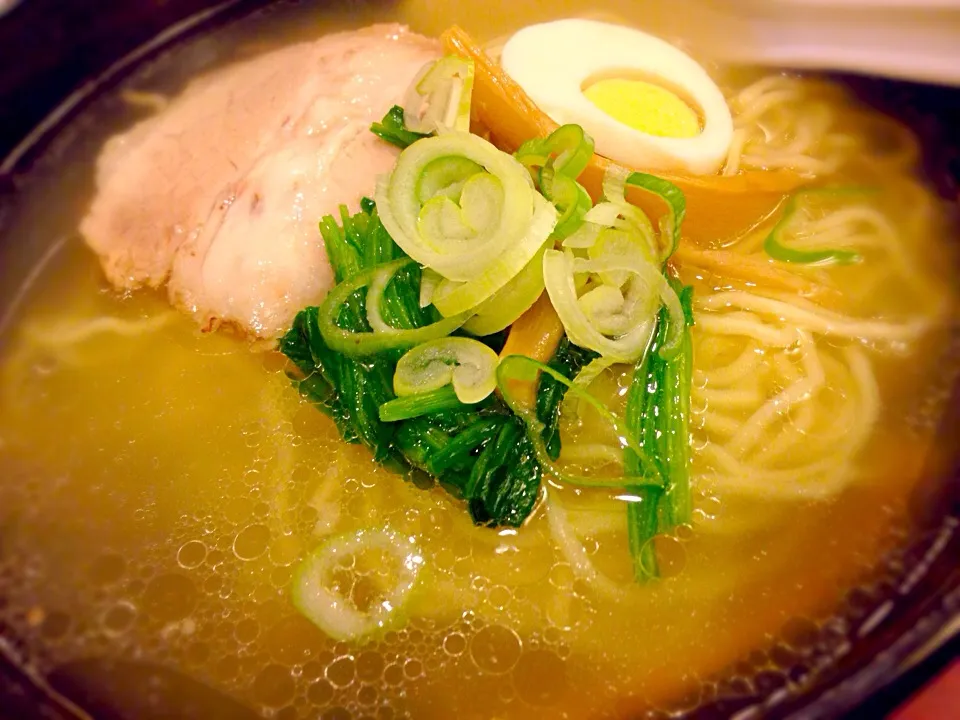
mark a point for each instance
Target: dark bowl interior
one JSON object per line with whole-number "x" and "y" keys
{"x": 51, "y": 48}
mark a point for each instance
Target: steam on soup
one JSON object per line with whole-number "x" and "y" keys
{"x": 595, "y": 391}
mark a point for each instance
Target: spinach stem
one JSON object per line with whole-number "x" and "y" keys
{"x": 411, "y": 406}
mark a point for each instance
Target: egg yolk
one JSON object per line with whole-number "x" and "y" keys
{"x": 646, "y": 107}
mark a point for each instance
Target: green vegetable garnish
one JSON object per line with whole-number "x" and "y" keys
{"x": 358, "y": 343}
{"x": 349, "y": 391}
{"x": 425, "y": 403}
{"x": 446, "y": 88}
{"x": 502, "y": 309}
{"x": 614, "y": 189}
{"x": 588, "y": 318}
{"x": 555, "y": 162}
{"x": 463, "y": 208}
{"x": 460, "y": 240}
{"x": 569, "y": 197}
{"x": 467, "y": 365}
{"x": 505, "y": 481}
{"x": 568, "y": 361}
{"x": 392, "y": 129}
{"x": 317, "y": 596}
{"x": 567, "y": 150}
{"x": 432, "y": 433}
{"x": 658, "y": 410}
{"x": 519, "y": 369}
{"x": 774, "y": 244}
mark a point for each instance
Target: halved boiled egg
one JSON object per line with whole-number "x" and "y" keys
{"x": 647, "y": 104}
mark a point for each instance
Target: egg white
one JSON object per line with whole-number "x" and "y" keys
{"x": 553, "y": 62}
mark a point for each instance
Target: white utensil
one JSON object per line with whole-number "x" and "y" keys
{"x": 910, "y": 39}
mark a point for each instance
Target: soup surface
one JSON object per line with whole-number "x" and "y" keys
{"x": 162, "y": 485}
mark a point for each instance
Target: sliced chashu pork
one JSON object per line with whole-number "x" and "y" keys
{"x": 220, "y": 194}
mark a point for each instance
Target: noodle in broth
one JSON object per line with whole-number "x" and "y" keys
{"x": 164, "y": 484}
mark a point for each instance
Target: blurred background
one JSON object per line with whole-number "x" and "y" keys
{"x": 48, "y": 48}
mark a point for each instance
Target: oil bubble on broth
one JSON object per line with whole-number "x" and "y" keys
{"x": 162, "y": 486}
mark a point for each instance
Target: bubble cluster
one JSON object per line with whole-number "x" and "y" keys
{"x": 212, "y": 598}
{"x": 166, "y": 527}
{"x": 211, "y": 595}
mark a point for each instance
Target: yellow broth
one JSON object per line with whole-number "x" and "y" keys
{"x": 160, "y": 487}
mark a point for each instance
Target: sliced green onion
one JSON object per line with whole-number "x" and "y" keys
{"x": 459, "y": 241}
{"x": 411, "y": 406}
{"x": 612, "y": 219}
{"x": 774, "y": 244}
{"x": 583, "y": 237}
{"x": 583, "y": 380}
{"x": 519, "y": 371}
{"x": 615, "y": 183}
{"x": 616, "y": 243}
{"x": 429, "y": 282}
{"x": 568, "y": 149}
{"x": 569, "y": 197}
{"x": 445, "y": 177}
{"x": 511, "y": 301}
{"x": 650, "y": 279}
{"x": 556, "y": 161}
{"x": 607, "y": 300}
{"x": 388, "y": 338}
{"x": 591, "y": 371}
{"x": 606, "y": 214}
{"x": 445, "y": 87}
{"x": 468, "y": 365}
{"x": 378, "y": 284}
{"x": 443, "y": 221}
{"x": 334, "y": 613}
{"x": 671, "y": 222}
{"x": 453, "y": 298}
{"x": 559, "y": 269}
{"x": 604, "y": 306}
